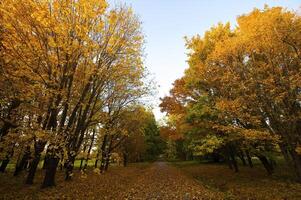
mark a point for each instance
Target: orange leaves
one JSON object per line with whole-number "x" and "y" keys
{"x": 168, "y": 133}
{"x": 73, "y": 64}
{"x": 229, "y": 105}
{"x": 112, "y": 17}
{"x": 250, "y": 76}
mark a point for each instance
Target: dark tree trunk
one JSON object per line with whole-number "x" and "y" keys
{"x": 286, "y": 155}
{"x": 45, "y": 160}
{"x": 108, "y": 154}
{"x": 234, "y": 163}
{"x": 69, "y": 168}
{"x": 233, "y": 159}
{"x": 8, "y": 124}
{"x": 242, "y": 158}
{"x": 96, "y": 163}
{"x": 49, "y": 179}
{"x": 7, "y": 159}
{"x": 26, "y": 165}
{"x": 228, "y": 161}
{"x": 249, "y": 159}
{"x": 273, "y": 163}
{"x": 82, "y": 159}
{"x": 103, "y": 161}
{"x": 39, "y": 147}
{"x": 103, "y": 153}
{"x": 107, "y": 161}
{"x": 23, "y": 163}
{"x": 4, "y": 164}
{"x": 297, "y": 164}
{"x": 266, "y": 164}
{"x": 97, "y": 159}
{"x": 81, "y": 163}
{"x": 86, "y": 164}
{"x": 125, "y": 159}
{"x": 89, "y": 149}
{"x": 32, "y": 169}
{"x": 4, "y": 129}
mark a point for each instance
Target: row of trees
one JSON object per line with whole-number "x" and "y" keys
{"x": 135, "y": 138}
{"x": 241, "y": 95}
{"x": 71, "y": 76}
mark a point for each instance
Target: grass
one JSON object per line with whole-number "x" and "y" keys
{"x": 249, "y": 183}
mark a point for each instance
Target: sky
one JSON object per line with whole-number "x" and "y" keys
{"x": 166, "y": 22}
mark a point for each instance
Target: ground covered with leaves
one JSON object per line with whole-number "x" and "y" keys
{"x": 159, "y": 180}
{"x": 249, "y": 183}
{"x": 138, "y": 181}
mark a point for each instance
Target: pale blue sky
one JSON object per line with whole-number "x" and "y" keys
{"x": 166, "y": 22}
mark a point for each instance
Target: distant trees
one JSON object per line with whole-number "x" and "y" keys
{"x": 155, "y": 144}
{"x": 69, "y": 71}
{"x": 240, "y": 95}
{"x": 145, "y": 142}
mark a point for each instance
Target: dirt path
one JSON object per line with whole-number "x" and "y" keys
{"x": 162, "y": 181}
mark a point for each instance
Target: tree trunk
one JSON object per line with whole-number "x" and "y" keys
{"x": 22, "y": 164}
{"x": 39, "y": 147}
{"x": 249, "y": 159}
{"x": 49, "y": 179}
{"x": 234, "y": 162}
{"x": 266, "y": 164}
{"x": 125, "y": 159}
{"x": 32, "y": 169}
{"x": 95, "y": 164}
{"x": 82, "y": 159}
{"x": 26, "y": 165}
{"x": 45, "y": 161}
{"x": 97, "y": 158}
{"x": 89, "y": 150}
{"x": 107, "y": 161}
{"x": 4, "y": 164}
{"x": 297, "y": 164}
{"x": 108, "y": 154}
{"x": 242, "y": 158}
{"x": 228, "y": 161}
{"x": 233, "y": 159}
{"x": 102, "y": 163}
{"x": 286, "y": 155}
{"x": 69, "y": 168}
{"x": 9, "y": 124}
{"x": 103, "y": 153}
{"x": 81, "y": 163}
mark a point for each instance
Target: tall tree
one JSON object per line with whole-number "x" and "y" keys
{"x": 63, "y": 59}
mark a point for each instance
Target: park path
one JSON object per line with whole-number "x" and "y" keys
{"x": 156, "y": 181}
{"x": 162, "y": 181}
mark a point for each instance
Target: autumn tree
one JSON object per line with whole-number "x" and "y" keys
{"x": 62, "y": 60}
{"x": 134, "y": 122}
{"x": 244, "y": 95}
{"x": 259, "y": 82}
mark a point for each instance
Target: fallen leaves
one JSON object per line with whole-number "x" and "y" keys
{"x": 247, "y": 184}
{"x": 138, "y": 181}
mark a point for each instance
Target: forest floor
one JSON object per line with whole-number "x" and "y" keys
{"x": 159, "y": 180}
{"x": 248, "y": 183}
